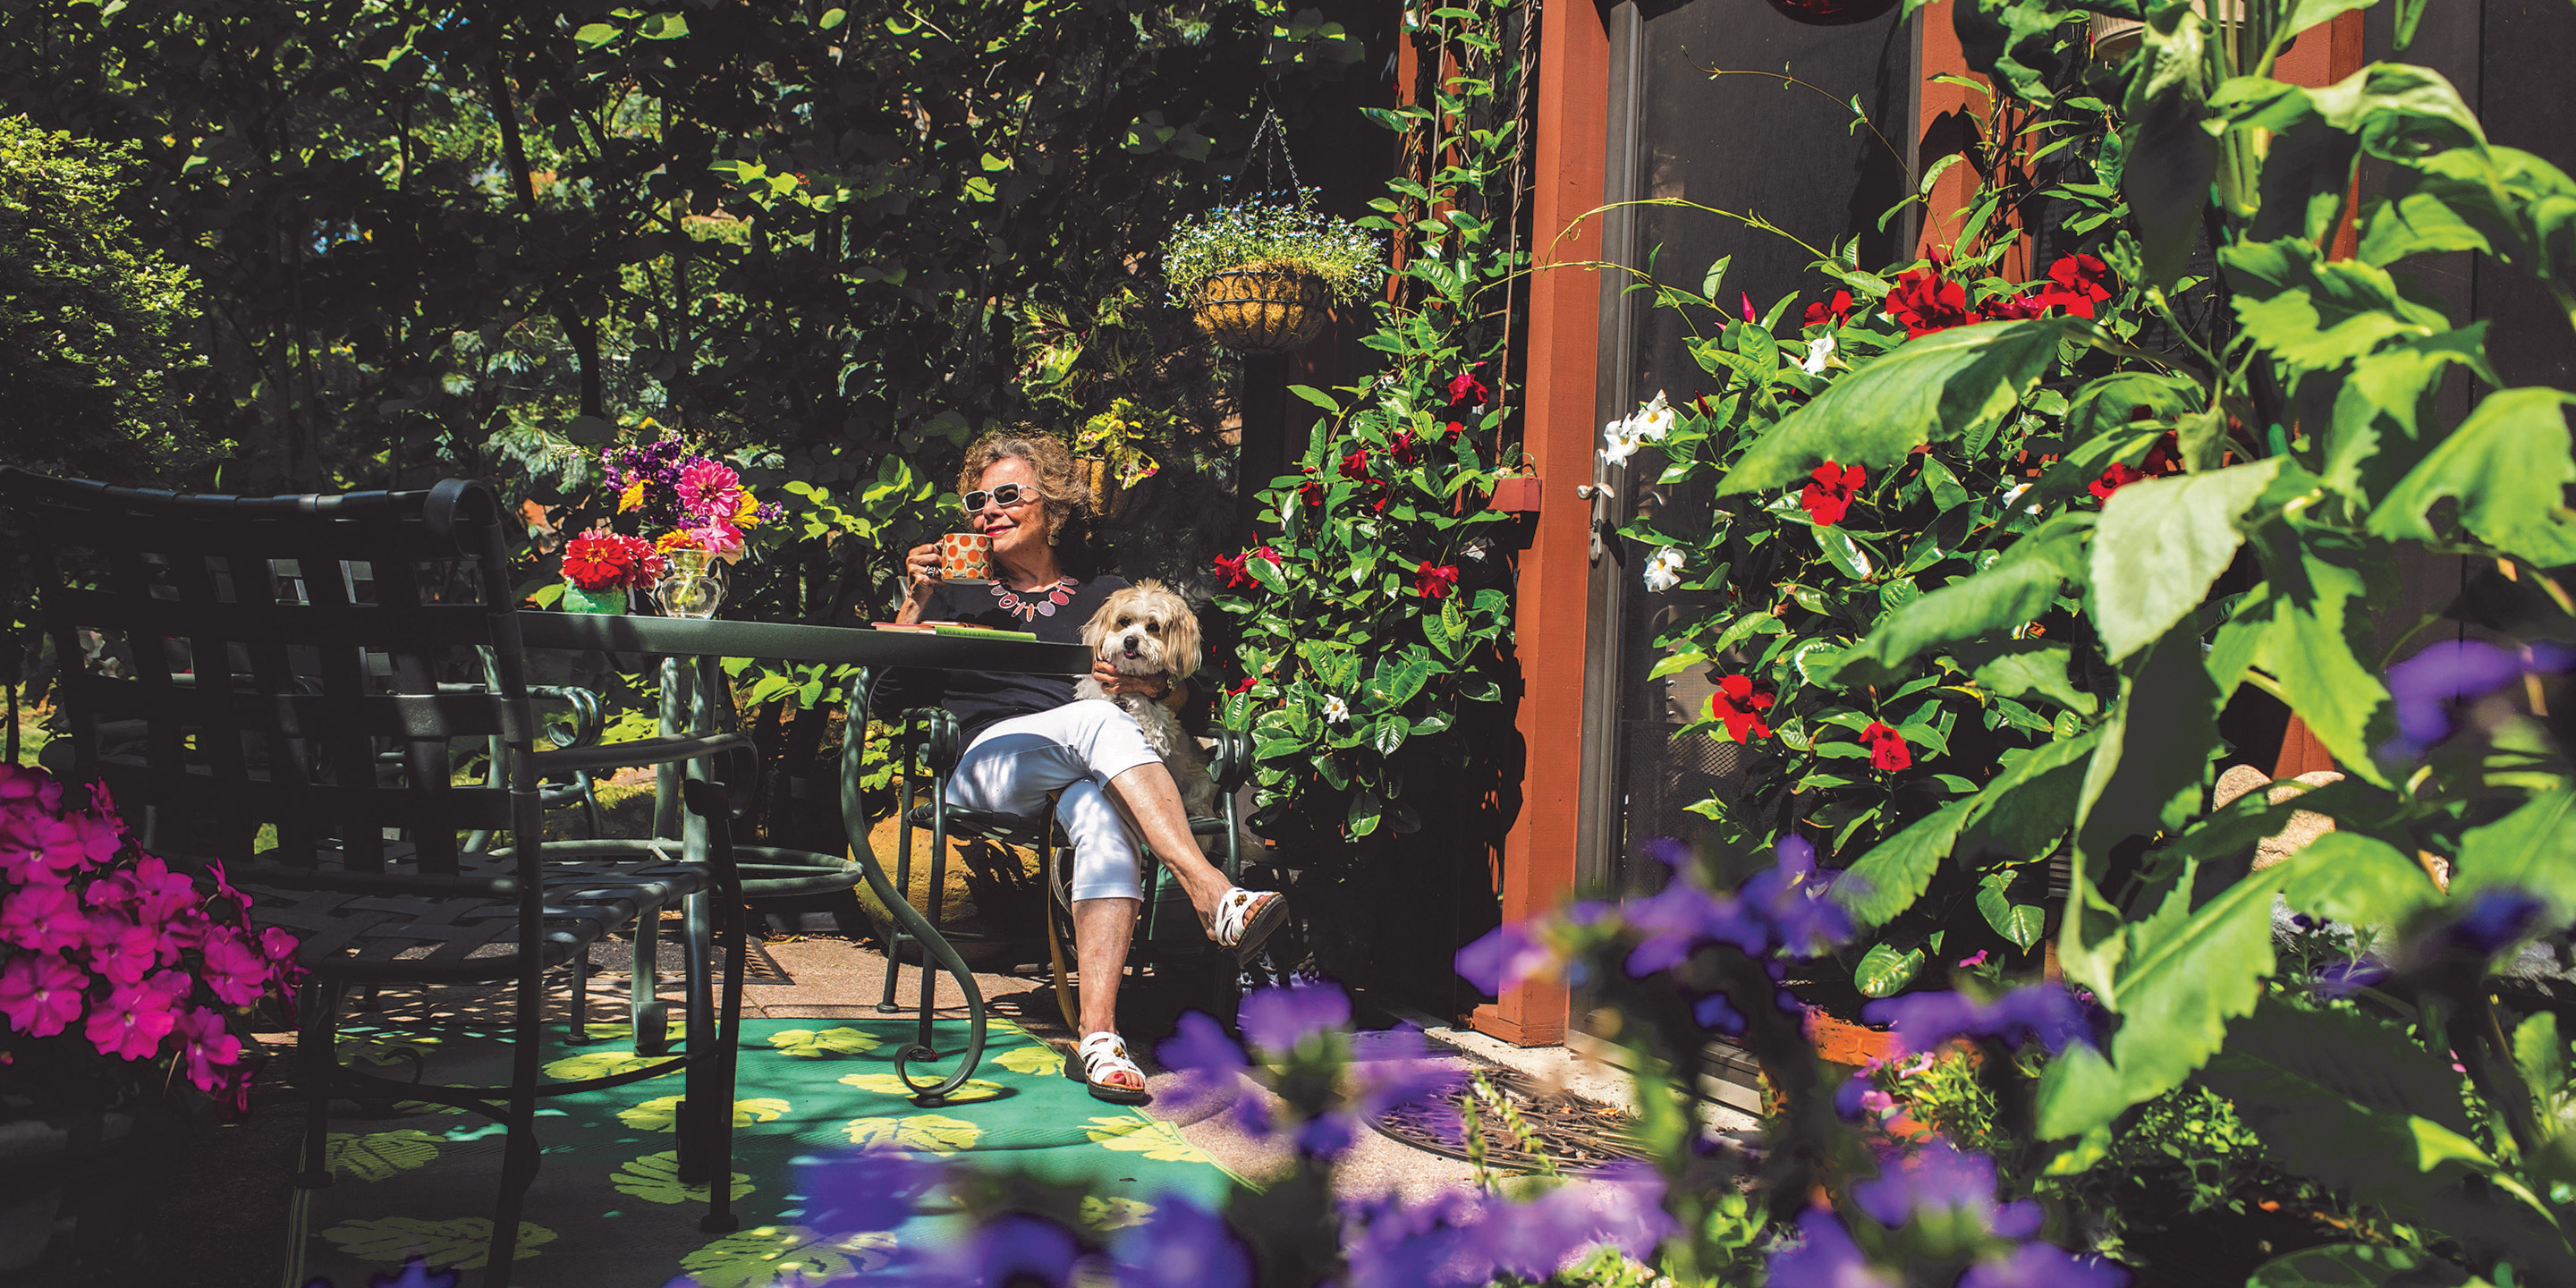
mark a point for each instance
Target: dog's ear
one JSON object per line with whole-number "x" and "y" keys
{"x": 1180, "y": 638}
{"x": 1097, "y": 629}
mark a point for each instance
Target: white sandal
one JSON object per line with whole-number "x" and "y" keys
{"x": 1100, "y": 1055}
{"x": 1245, "y": 918}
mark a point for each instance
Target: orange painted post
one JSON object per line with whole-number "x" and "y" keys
{"x": 1571, "y": 119}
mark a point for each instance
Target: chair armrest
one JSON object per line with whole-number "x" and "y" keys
{"x": 641, "y": 751}
{"x": 589, "y": 721}
{"x": 1230, "y": 763}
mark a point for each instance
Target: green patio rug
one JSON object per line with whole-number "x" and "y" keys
{"x": 607, "y": 1210}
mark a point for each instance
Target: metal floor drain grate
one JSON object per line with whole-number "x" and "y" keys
{"x": 1574, "y": 1133}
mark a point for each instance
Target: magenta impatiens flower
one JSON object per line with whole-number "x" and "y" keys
{"x": 135, "y": 1017}
{"x": 45, "y": 918}
{"x": 41, "y": 993}
{"x": 211, "y": 1048}
{"x": 237, "y": 972}
{"x": 125, "y": 952}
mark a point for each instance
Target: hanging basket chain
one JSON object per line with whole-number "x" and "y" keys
{"x": 1273, "y": 132}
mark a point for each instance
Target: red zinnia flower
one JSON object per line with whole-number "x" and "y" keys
{"x": 1738, "y": 703}
{"x": 1926, "y": 303}
{"x": 1230, "y": 571}
{"x": 1887, "y": 749}
{"x": 1355, "y": 465}
{"x": 1464, "y": 388}
{"x": 1435, "y": 581}
{"x": 597, "y": 561}
{"x": 1828, "y": 494}
{"x": 1830, "y": 313}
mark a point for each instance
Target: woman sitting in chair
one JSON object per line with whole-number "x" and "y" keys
{"x": 1026, "y": 737}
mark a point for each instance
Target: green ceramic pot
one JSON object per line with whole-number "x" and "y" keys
{"x": 577, "y": 600}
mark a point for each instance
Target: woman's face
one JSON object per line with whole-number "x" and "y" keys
{"x": 1013, "y": 528}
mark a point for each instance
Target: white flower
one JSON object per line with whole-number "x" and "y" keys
{"x": 1335, "y": 710}
{"x": 1664, "y": 571}
{"x": 1818, "y": 349}
{"x": 1653, "y": 420}
{"x": 1619, "y": 442}
{"x": 2013, "y": 494}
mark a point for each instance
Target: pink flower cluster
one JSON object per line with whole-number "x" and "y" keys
{"x": 96, "y": 934}
{"x": 684, "y": 500}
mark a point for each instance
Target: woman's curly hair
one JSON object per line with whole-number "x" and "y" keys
{"x": 1067, "y": 502}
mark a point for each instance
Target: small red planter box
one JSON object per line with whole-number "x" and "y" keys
{"x": 1517, "y": 494}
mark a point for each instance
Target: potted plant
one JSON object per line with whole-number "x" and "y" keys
{"x": 1109, "y": 452}
{"x": 1261, "y": 278}
{"x": 124, "y": 984}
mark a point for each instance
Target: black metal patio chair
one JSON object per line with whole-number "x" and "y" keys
{"x": 319, "y": 769}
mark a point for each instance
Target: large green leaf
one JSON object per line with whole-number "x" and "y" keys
{"x": 1883, "y": 970}
{"x": 2182, "y": 974}
{"x": 2357, "y": 1265}
{"x": 1939, "y": 387}
{"x": 2387, "y": 391}
{"x": 2015, "y": 590}
{"x": 2360, "y": 881}
{"x": 2155, "y": 747}
{"x": 2374, "y": 1065}
{"x": 2169, "y": 156}
{"x": 2161, "y": 543}
{"x": 2312, "y": 313}
{"x": 2508, "y": 464}
{"x": 2318, "y": 595}
{"x": 1888, "y": 879}
{"x": 2532, "y": 848}
{"x": 2020, "y": 668}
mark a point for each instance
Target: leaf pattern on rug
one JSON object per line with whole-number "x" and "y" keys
{"x": 1035, "y": 1061}
{"x": 811, "y": 1044}
{"x": 460, "y": 1244}
{"x": 662, "y": 1113}
{"x": 1155, "y": 1139}
{"x": 886, "y": 1084}
{"x": 655, "y": 1178}
{"x": 924, "y": 1133}
{"x": 786, "y": 1256}
{"x": 602, "y": 1064}
{"x": 1105, "y": 1214}
{"x": 379, "y": 1154}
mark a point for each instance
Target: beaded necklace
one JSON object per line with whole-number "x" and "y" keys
{"x": 1034, "y": 605}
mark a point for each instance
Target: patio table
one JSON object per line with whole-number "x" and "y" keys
{"x": 692, "y": 651}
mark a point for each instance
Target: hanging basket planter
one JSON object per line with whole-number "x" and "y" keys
{"x": 1108, "y": 493}
{"x": 1264, "y": 308}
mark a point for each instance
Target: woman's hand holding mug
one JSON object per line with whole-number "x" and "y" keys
{"x": 921, "y": 575}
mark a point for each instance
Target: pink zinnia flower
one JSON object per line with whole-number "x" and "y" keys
{"x": 211, "y": 1048}
{"x": 235, "y": 970}
{"x": 721, "y": 539}
{"x": 132, "y": 1021}
{"x": 41, "y": 993}
{"x": 710, "y": 490}
{"x": 45, "y": 918}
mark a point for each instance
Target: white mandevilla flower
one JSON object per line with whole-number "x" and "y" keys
{"x": 1654, "y": 420}
{"x": 2013, "y": 494}
{"x": 1664, "y": 571}
{"x": 1336, "y": 710}
{"x": 1619, "y": 441}
{"x": 1818, "y": 349}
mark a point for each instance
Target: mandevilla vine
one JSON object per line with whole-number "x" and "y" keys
{"x": 1371, "y": 618}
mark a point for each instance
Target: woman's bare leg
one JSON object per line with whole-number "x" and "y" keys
{"x": 1101, "y": 931}
{"x": 1152, "y": 801}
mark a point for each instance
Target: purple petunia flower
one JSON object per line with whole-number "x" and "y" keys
{"x": 863, "y": 1190}
{"x": 1459, "y": 1239}
{"x": 1715, "y": 1012}
{"x": 2043, "y": 1265}
{"x": 1206, "y": 1059}
{"x": 1182, "y": 1245}
{"x": 2343, "y": 979}
{"x": 2044, "y": 1012}
{"x": 1940, "y": 1179}
{"x": 1275, "y": 1020}
{"x": 2494, "y": 919}
{"x": 416, "y": 1273}
{"x": 1824, "y": 1257}
{"x": 1015, "y": 1249}
{"x": 2453, "y": 673}
{"x": 1505, "y": 956}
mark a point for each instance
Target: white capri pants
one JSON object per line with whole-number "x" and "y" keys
{"x": 1076, "y": 748}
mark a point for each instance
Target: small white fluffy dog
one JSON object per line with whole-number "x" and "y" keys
{"x": 1146, "y": 630}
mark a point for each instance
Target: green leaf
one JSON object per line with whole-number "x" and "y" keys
{"x": 2355, "y": 1057}
{"x": 2015, "y": 590}
{"x": 1388, "y": 734}
{"x": 832, "y": 18}
{"x": 593, "y": 35}
{"x": 2540, "y": 1054}
{"x": 2532, "y": 848}
{"x": 2019, "y": 922}
{"x": 2154, "y": 749}
{"x": 1364, "y": 813}
{"x": 2318, "y": 597}
{"x": 2018, "y": 668}
{"x": 2360, "y": 881}
{"x": 2508, "y": 464}
{"x": 2160, "y": 545}
{"x": 664, "y": 26}
{"x": 1887, "y": 880}
{"x": 2169, "y": 157}
{"x": 1317, "y": 397}
{"x": 1943, "y": 386}
{"x": 1883, "y": 971}
{"x": 1398, "y": 679}
{"x": 2356, "y": 1265}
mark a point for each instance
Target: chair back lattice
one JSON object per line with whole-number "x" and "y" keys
{"x": 231, "y": 662}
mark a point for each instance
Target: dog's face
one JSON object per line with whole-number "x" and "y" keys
{"x": 1145, "y": 629}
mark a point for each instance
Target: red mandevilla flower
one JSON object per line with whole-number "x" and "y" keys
{"x": 2077, "y": 283}
{"x": 2162, "y": 459}
{"x": 1738, "y": 704}
{"x": 1887, "y": 749}
{"x": 1832, "y": 312}
{"x": 1828, "y": 493}
{"x": 1925, "y": 302}
{"x": 1435, "y": 581}
{"x": 1230, "y": 571}
{"x": 1355, "y": 465}
{"x": 1403, "y": 447}
{"x": 1242, "y": 688}
{"x": 1451, "y": 434}
{"x": 1465, "y": 389}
